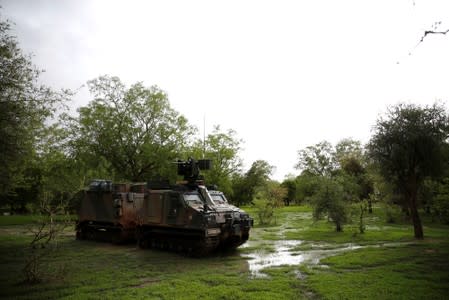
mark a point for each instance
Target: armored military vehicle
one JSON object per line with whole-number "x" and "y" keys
{"x": 108, "y": 212}
{"x": 241, "y": 222}
{"x": 183, "y": 217}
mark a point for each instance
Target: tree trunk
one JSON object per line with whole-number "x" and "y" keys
{"x": 370, "y": 206}
{"x": 361, "y": 223}
{"x": 417, "y": 226}
{"x": 338, "y": 227}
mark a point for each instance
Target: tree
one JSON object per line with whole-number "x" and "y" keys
{"x": 329, "y": 201}
{"x": 26, "y": 109}
{"x": 223, "y": 148}
{"x": 134, "y": 130}
{"x": 353, "y": 166}
{"x": 349, "y": 156}
{"x": 440, "y": 203}
{"x": 268, "y": 198}
{"x": 245, "y": 186}
{"x": 317, "y": 159}
{"x": 290, "y": 186}
{"x": 306, "y": 186}
{"x": 259, "y": 173}
{"x": 408, "y": 144}
{"x": 61, "y": 176}
{"x": 332, "y": 178}
{"x": 44, "y": 243}
{"x": 345, "y": 163}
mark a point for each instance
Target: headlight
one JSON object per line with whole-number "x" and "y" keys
{"x": 210, "y": 219}
{"x": 244, "y": 216}
{"x": 213, "y": 231}
{"x": 236, "y": 215}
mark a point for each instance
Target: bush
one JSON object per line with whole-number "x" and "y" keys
{"x": 44, "y": 243}
{"x": 265, "y": 211}
{"x": 440, "y": 208}
{"x": 329, "y": 201}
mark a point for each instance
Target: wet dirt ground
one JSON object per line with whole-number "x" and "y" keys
{"x": 286, "y": 252}
{"x": 266, "y": 253}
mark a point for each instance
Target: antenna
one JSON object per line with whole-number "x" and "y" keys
{"x": 204, "y": 135}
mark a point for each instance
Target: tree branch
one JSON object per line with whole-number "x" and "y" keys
{"x": 427, "y": 32}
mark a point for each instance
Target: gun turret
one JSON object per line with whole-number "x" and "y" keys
{"x": 190, "y": 169}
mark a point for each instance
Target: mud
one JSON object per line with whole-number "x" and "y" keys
{"x": 285, "y": 254}
{"x": 266, "y": 253}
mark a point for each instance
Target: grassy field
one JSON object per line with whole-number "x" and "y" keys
{"x": 29, "y": 219}
{"x": 384, "y": 263}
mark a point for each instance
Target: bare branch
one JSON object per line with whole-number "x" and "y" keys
{"x": 427, "y": 32}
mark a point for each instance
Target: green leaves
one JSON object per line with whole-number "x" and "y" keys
{"x": 317, "y": 159}
{"x": 409, "y": 145}
{"x": 223, "y": 148}
{"x": 246, "y": 185}
{"x": 26, "y": 110}
{"x": 410, "y": 140}
{"x": 332, "y": 178}
{"x": 134, "y": 129}
{"x": 329, "y": 201}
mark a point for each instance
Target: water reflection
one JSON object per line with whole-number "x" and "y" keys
{"x": 286, "y": 254}
{"x": 261, "y": 252}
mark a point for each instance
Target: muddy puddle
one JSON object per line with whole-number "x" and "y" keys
{"x": 265, "y": 253}
{"x": 289, "y": 253}
{"x": 286, "y": 252}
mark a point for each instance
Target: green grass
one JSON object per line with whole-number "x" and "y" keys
{"x": 17, "y": 220}
{"x": 28, "y": 219}
{"x": 100, "y": 270}
{"x": 390, "y": 265}
{"x": 417, "y": 271}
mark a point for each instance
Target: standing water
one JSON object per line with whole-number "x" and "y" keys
{"x": 285, "y": 253}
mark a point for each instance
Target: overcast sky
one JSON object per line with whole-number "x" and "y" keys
{"x": 283, "y": 74}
